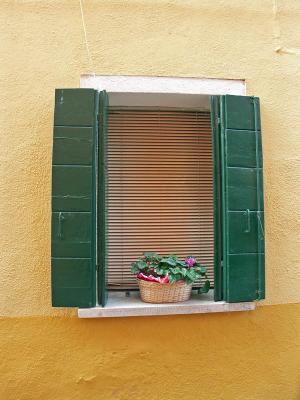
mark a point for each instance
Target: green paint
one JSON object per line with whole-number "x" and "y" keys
{"x": 102, "y": 189}
{"x": 73, "y": 145}
{"x": 260, "y": 202}
{"x": 74, "y": 107}
{"x": 72, "y": 187}
{"x": 242, "y": 198}
{"x": 72, "y": 237}
{"x": 217, "y": 190}
{"x": 224, "y": 185}
{"x": 73, "y": 244}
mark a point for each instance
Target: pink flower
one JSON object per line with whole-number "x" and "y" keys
{"x": 190, "y": 262}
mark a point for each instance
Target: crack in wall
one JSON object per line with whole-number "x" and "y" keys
{"x": 280, "y": 49}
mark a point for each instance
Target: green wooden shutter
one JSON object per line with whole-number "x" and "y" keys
{"x": 102, "y": 194}
{"x": 241, "y": 207}
{"x": 74, "y": 198}
{"x": 217, "y": 190}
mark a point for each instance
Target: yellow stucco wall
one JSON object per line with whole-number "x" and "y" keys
{"x": 51, "y": 354}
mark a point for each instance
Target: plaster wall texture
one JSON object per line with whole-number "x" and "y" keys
{"x": 237, "y": 356}
{"x": 48, "y": 352}
{"x": 44, "y": 47}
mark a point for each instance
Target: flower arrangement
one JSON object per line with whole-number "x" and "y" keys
{"x": 170, "y": 269}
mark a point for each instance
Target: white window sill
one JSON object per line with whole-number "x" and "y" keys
{"x": 119, "y": 305}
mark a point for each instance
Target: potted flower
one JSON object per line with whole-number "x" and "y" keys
{"x": 166, "y": 279}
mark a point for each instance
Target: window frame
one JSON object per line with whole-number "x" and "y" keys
{"x": 179, "y": 93}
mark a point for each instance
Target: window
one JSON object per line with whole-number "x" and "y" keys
{"x": 159, "y": 188}
{"x": 94, "y": 227}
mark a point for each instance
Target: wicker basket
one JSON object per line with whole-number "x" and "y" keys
{"x": 152, "y": 292}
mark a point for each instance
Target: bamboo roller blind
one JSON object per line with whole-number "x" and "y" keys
{"x": 160, "y": 189}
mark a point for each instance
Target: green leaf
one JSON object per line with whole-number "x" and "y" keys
{"x": 149, "y": 254}
{"x": 192, "y": 274}
{"x": 181, "y": 263}
{"x": 141, "y": 264}
{"x": 134, "y": 269}
{"x": 200, "y": 270}
{"x": 168, "y": 261}
{"x": 160, "y": 271}
{"x": 177, "y": 270}
{"x": 205, "y": 288}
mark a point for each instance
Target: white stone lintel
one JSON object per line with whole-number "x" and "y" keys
{"x": 161, "y": 84}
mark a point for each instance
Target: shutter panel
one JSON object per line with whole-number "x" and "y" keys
{"x": 102, "y": 198}
{"x": 242, "y": 199}
{"x": 217, "y": 193}
{"x": 73, "y": 198}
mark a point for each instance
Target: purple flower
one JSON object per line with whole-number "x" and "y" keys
{"x": 190, "y": 262}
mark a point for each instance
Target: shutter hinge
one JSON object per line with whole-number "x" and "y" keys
{"x": 219, "y": 120}
{"x": 99, "y": 117}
